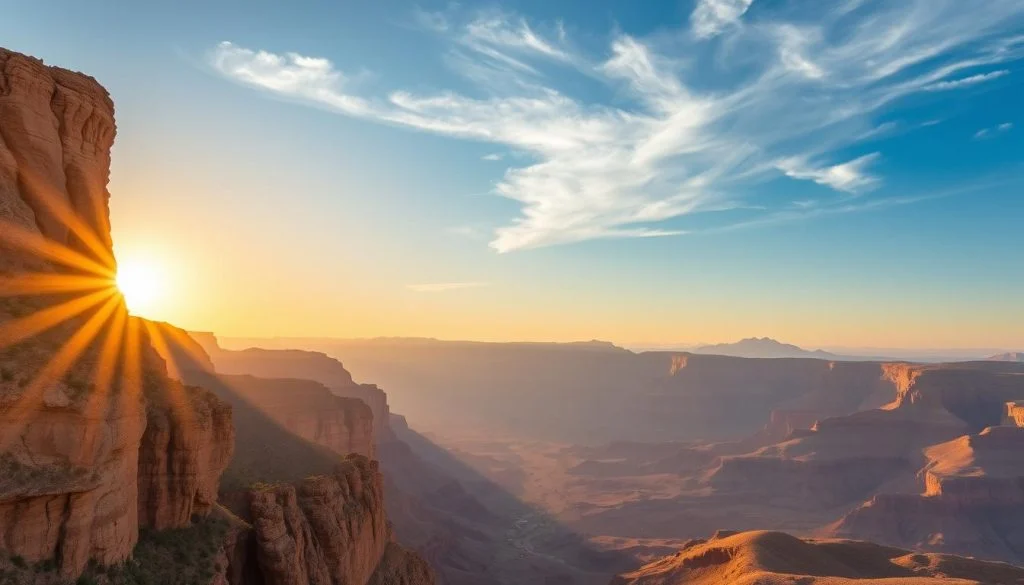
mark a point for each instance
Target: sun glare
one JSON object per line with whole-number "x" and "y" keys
{"x": 141, "y": 283}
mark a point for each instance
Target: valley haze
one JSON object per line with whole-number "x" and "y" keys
{"x": 342, "y": 293}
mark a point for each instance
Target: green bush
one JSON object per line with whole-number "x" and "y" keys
{"x": 183, "y": 556}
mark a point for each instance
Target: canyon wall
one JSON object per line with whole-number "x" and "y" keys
{"x": 277, "y": 386}
{"x": 56, "y": 130}
{"x": 95, "y": 439}
{"x": 309, "y": 365}
{"x": 327, "y": 529}
{"x": 1014, "y": 413}
{"x": 972, "y": 501}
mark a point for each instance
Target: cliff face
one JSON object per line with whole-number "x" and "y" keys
{"x": 972, "y": 501}
{"x": 310, "y": 411}
{"x": 184, "y": 451}
{"x": 308, "y": 365}
{"x": 975, "y": 392}
{"x": 331, "y": 530}
{"x": 95, "y": 440}
{"x": 56, "y": 130}
{"x": 1014, "y": 413}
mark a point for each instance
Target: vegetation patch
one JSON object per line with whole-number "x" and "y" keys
{"x": 183, "y": 556}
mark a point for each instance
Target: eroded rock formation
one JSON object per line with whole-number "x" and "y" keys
{"x": 330, "y": 530}
{"x": 56, "y": 130}
{"x": 308, "y": 365}
{"x": 95, "y": 439}
{"x": 972, "y": 501}
{"x": 1014, "y": 413}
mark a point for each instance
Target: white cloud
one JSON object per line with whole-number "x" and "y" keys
{"x": 966, "y": 81}
{"x": 665, "y": 144}
{"x": 493, "y": 156}
{"x": 444, "y": 286}
{"x": 711, "y": 17}
{"x": 989, "y": 132}
{"x": 849, "y": 176}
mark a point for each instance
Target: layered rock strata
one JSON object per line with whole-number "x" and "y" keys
{"x": 95, "y": 439}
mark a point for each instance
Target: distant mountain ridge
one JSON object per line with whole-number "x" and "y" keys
{"x": 1010, "y": 356}
{"x": 764, "y": 347}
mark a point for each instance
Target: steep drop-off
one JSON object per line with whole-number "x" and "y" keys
{"x": 300, "y": 477}
{"x": 306, "y": 365}
{"x": 95, "y": 439}
{"x": 972, "y": 501}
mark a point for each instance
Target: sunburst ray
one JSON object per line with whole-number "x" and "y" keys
{"x": 174, "y": 391}
{"x": 103, "y": 377}
{"x": 60, "y": 209}
{"x": 33, "y": 242}
{"x": 43, "y": 283}
{"x": 54, "y": 370}
{"x": 19, "y": 330}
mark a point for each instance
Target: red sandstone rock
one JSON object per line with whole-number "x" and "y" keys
{"x": 70, "y": 445}
{"x": 330, "y": 530}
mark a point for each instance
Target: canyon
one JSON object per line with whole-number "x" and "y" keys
{"x": 135, "y": 451}
{"x": 122, "y": 450}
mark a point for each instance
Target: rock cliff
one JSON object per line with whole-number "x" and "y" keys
{"x": 310, "y": 411}
{"x": 972, "y": 501}
{"x": 296, "y": 402}
{"x": 1014, "y": 413}
{"x": 56, "y": 130}
{"x": 95, "y": 439}
{"x": 331, "y": 530}
{"x": 308, "y": 365}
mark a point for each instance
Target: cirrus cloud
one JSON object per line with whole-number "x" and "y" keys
{"x": 671, "y": 143}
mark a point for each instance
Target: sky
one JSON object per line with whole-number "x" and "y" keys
{"x": 840, "y": 173}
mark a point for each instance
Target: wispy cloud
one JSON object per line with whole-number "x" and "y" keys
{"x": 850, "y": 176}
{"x": 989, "y": 132}
{"x": 711, "y": 17}
{"x": 670, "y": 144}
{"x": 493, "y": 156}
{"x": 435, "y": 287}
{"x": 966, "y": 81}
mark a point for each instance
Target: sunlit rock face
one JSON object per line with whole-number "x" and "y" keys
{"x": 87, "y": 410}
{"x": 330, "y": 530}
{"x": 775, "y": 557}
{"x": 972, "y": 501}
{"x": 56, "y": 130}
{"x": 311, "y": 365}
{"x": 1014, "y": 415}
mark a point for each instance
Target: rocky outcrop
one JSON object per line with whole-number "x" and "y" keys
{"x": 95, "y": 439}
{"x": 299, "y": 364}
{"x": 188, "y": 442}
{"x": 974, "y": 392}
{"x": 738, "y": 395}
{"x": 56, "y": 130}
{"x": 308, "y": 410}
{"x": 972, "y": 501}
{"x": 1014, "y": 413}
{"x": 330, "y": 530}
{"x": 68, "y": 475}
{"x": 775, "y": 557}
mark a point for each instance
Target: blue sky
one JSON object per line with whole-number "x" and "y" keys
{"x": 831, "y": 173}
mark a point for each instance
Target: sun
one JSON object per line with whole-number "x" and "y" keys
{"x": 141, "y": 283}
